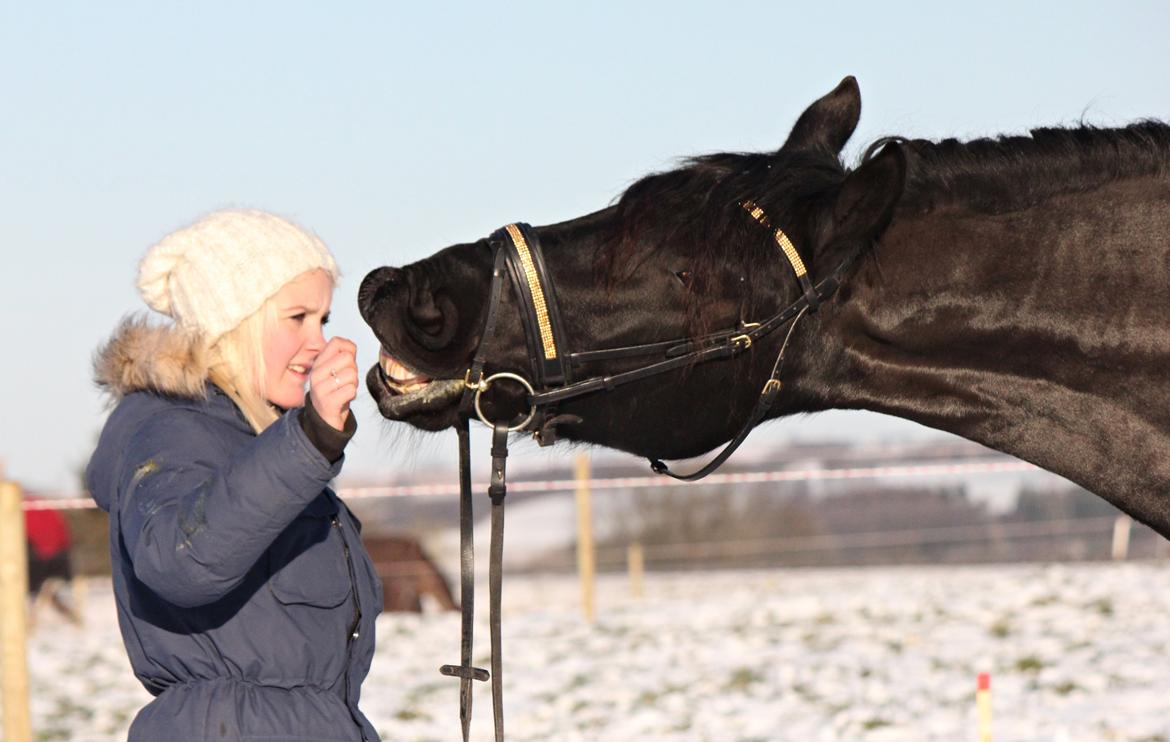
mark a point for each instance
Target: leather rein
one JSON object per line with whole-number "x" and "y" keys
{"x": 518, "y": 258}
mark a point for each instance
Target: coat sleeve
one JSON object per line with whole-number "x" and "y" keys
{"x": 195, "y": 520}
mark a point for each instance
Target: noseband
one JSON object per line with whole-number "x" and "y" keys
{"x": 518, "y": 258}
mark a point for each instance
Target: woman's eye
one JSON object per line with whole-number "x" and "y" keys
{"x": 298, "y": 317}
{"x": 325, "y": 320}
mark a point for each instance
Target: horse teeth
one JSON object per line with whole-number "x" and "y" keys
{"x": 408, "y": 388}
{"x": 395, "y": 370}
{"x": 399, "y": 375}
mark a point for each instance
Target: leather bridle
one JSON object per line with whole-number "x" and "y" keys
{"x": 553, "y": 366}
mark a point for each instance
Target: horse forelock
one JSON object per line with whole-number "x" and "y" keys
{"x": 693, "y": 217}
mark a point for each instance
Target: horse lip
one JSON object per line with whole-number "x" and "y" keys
{"x": 434, "y": 396}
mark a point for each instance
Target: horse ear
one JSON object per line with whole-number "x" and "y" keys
{"x": 829, "y": 122}
{"x": 865, "y": 204}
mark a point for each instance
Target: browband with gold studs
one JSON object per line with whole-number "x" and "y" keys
{"x": 788, "y": 249}
{"x": 781, "y": 238}
{"x": 547, "y": 341}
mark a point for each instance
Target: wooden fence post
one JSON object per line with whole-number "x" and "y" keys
{"x": 585, "y": 553}
{"x": 14, "y": 615}
{"x": 1121, "y": 528}
{"x": 636, "y": 560}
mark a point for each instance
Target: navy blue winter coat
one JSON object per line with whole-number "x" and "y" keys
{"x": 245, "y": 598}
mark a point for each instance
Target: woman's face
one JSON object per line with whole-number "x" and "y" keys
{"x": 293, "y": 340}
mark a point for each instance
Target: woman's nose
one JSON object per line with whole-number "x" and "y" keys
{"x": 316, "y": 340}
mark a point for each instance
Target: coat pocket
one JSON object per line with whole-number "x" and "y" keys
{"x": 308, "y": 564}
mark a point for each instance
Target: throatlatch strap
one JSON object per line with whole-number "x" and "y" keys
{"x": 763, "y": 403}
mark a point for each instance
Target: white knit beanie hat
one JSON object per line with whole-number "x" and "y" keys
{"x": 212, "y": 275}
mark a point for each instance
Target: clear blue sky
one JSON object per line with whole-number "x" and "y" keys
{"x": 394, "y": 129}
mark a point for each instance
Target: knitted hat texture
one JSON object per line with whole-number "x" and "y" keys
{"x": 212, "y": 275}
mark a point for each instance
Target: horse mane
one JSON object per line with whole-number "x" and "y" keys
{"x": 696, "y": 206}
{"x": 1010, "y": 173}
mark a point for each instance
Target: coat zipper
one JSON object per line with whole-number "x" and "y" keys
{"x": 357, "y": 615}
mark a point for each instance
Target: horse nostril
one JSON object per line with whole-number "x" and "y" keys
{"x": 428, "y": 318}
{"x": 432, "y": 322}
{"x": 376, "y": 281}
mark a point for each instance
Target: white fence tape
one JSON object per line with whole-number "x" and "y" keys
{"x": 48, "y": 501}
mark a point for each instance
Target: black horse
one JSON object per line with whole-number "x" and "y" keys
{"x": 1014, "y": 291}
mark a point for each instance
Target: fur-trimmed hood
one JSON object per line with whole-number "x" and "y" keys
{"x": 141, "y": 356}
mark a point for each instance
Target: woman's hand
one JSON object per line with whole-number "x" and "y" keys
{"x": 333, "y": 381}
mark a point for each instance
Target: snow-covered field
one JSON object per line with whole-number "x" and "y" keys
{"x": 1075, "y": 652}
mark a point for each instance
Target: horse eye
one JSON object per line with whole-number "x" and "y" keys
{"x": 684, "y": 277}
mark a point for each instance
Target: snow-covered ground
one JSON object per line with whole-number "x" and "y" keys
{"x": 1075, "y": 652}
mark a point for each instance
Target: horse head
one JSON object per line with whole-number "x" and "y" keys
{"x": 679, "y": 256}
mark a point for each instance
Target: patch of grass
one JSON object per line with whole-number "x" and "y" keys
{"x": 411, "y": 715}
{"x": 578, "y": 681}
{"x": 1104, "y": 606}
{"x": 874, "y": 723}
{"x": 1063, "y": 689}
{"x": 645, "y": 699}
{"x": 67, "y": 708}
{"x": 425, "y": 689}
{"x": 593, "y": 723}
{"x": 1029, "y": 664}
{"x": 1001, "y": 629}
{"x": 744, "y": 678}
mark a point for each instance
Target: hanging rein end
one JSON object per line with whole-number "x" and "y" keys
{"x": 498, "y": 485}
{"x": 468, "y": 673}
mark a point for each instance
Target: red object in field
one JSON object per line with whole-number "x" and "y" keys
{"x": 47, "y": 531}
{"x": 984, "y": 681}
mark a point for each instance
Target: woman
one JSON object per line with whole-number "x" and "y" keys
{"x": 244, "y": 595}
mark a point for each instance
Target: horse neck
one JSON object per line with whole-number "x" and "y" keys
{"x": 1042, "y": 333}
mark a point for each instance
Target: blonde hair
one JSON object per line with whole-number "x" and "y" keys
{"x": 237, "y": 367}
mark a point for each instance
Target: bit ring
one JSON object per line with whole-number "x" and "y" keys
{"x": 486, "y": 384}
